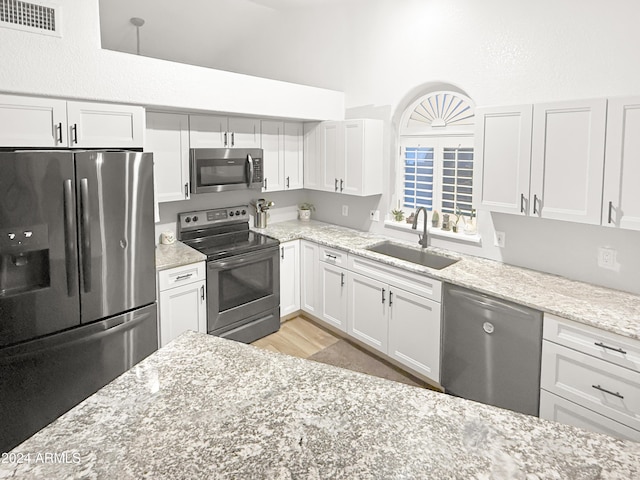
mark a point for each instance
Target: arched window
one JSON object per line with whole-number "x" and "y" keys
{"x": 435, "y": 169}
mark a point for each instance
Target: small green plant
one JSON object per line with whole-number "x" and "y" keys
{"x": 307, "y": 206}
{"x": 398, "y": 215}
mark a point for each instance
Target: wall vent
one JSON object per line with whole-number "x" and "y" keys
{"x": 31, "y": 17}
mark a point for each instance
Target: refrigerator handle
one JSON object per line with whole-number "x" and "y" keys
{"x": 85, "y": 234}
{"x": 69, "y": 236}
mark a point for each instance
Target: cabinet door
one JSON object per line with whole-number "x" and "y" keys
{"x": 309, "y": 293}
{"x": 567, "y": 160}
{"x": 32, "y": 122}
{"x": 293, "y": 156}
{"x": 182, "y": 308}
{"x": 289, "y": 277}
{"x": 97, "y": 125}
{"x": 503, "y": 152}
{"x": 244, "y": 132}
{"x": 167, "y": 137}
{"x": 312, "y": 157}
{"x": 350, "y": 169}
{"x": 333, "y": 295}
{"x": 621, "y": 198}
{"x": 208, "y": 131}
{"x": 331, "y": 155}
{"x": 558, "y": 409}
{"x": 414, "y": 332}
{"x": 273, "y": 147}
{"x": 367, "y": 315}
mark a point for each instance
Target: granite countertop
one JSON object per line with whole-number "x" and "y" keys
{"x": 206, "y": 407}
{"x": 176, "y": 255}
{"x": 611, "y": 310}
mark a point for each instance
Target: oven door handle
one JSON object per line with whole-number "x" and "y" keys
{"x": 231, "y": 262}
{"x": 249, "y": 170}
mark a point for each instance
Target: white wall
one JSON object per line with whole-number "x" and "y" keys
{"x": 75, "y": 66}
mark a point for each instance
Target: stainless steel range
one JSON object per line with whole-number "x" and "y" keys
{"x": 243, "y": 272}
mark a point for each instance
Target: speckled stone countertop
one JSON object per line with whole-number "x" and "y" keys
{"x": 611, "y": 310}
{"x": 176, "y": 255}
{"x": 206, "y": 407}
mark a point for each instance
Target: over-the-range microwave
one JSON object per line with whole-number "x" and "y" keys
{"x": 221, "y": 169}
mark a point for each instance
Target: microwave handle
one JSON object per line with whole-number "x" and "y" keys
{"x": 249, "y": 170}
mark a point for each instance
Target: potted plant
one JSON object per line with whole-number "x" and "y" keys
{"x": 304, "y": 211}
{"x": 398, "y": 215}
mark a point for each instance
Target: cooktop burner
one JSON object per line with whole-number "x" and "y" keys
{"x": 221, "y": 232}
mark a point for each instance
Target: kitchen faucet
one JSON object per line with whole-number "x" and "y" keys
{"x": 423, "y": 238}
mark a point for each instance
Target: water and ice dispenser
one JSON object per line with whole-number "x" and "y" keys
{"x": 24, "y": 259}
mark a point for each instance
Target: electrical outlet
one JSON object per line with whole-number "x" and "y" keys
{"x": 345, "y": 210}
{"x": 500, "y": 239}
{"x": 374, "y": 215}
{"x": 607, "y": 258}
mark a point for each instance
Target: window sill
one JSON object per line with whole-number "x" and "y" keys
{"x": 435, "y": 232}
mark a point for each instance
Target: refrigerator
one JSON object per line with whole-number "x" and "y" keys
{"x": 77, "y": 279}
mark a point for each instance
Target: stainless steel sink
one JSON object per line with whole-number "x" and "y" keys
{"x": 413, "y": 255}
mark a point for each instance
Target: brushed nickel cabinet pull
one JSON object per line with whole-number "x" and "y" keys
{"x": 74, "y": 130}
{"x": 341, "y": 184}
{"x": 615, "y": 349}
{"x": 59, "y": 130}
{"x": 287, "y": 182}
{"x": 342, "y": 279}
{"x": 383, "y": 299}
{"x": 282, "y": 253}
{"x": 522, "y": 203}
{"x": 335, "y": 186}
{"x": 183, "y": 277}
{"x": 610, "y": 220}
{"x": 202, "y": 292}
{"x": 186, "y": 190}
{"x": 535, "y": 204}
{"x": 615, "y": 394}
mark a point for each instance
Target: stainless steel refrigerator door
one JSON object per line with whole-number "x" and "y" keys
{"x": 38, "y": 245}
{"x": 491, "y": 350}
{"x": 115, "y": 232}
{"x": 44, "y": 378}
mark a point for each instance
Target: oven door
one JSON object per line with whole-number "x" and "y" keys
{"x": 240, "y": 287}
{"x": 222, "y": 169}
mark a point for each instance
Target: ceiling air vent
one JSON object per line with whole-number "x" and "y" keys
{"x": 31, "y": 17}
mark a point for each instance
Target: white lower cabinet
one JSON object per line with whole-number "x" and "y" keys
{"x": 333, "y": 295}
{"x": 367, "y": 318}
{"x": 594, "y": 370}
{"x": 289, "y": 277}
{"x": 309, "y": 285}
{"x": 182, "y": 301}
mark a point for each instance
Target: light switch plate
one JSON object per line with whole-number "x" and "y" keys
{"x": 345, "y": 210}
{"x": 499, "y": 239}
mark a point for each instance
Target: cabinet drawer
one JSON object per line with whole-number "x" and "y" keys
{"x": 603, "y": 387}
{"x": 593, "y": 341}
{"x": 558, "y": 409}
{"x": 182, "y": 275}
{"x": 411, "y": 282}
{"x": 333, "y": 256}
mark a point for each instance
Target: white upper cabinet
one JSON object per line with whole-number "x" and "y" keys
{"x": 282, "y": 143}
{"x": 312, "y": 163}
{"x": 47, "y": 123}
{"x": 347, "y": 157}
{"x": 167, "y": 137}
{"x": 214, "y": 131}
{"x": 503, "y": 150}
{"x": 32, "y": 122}
{"x": 621, "y": 197}
{"x": 567, "y": 160}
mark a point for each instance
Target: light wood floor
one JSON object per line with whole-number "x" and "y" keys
{"x": 298, "y": 337}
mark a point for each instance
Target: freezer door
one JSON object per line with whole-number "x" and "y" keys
{"x": 38, "y": 245}
{"x": 44, "y": 378}
{"x": 115, "y": 232}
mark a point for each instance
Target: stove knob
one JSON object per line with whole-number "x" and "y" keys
{"x": 195, "y": 218}
{"x": 187, "y": 220}
{"x": 231, "y": 214}
{"x": 244, "y": 212}
{"x": 238, "y": 212}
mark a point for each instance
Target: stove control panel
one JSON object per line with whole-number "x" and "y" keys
{"x": 206, "y": 218}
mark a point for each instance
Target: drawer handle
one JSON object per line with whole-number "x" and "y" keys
{"x": 184, "y": 277}
{"x": 342, "y": 279}
{"x": 615, "y": 394}
{"x": 328, "y": 255}
{"x": 202, "y": 292}
{"x": 615, "y": 349}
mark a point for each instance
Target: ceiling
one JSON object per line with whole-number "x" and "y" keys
{"x": 266, "y": 38}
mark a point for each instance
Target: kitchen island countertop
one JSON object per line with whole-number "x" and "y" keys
{"x": 206, "y": 407}
{"x": 611, "y": 310}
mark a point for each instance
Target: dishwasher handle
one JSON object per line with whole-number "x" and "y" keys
{"x": 488, "y": 303}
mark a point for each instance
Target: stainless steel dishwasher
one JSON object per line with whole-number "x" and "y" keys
{"x": 491, "y": 350}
